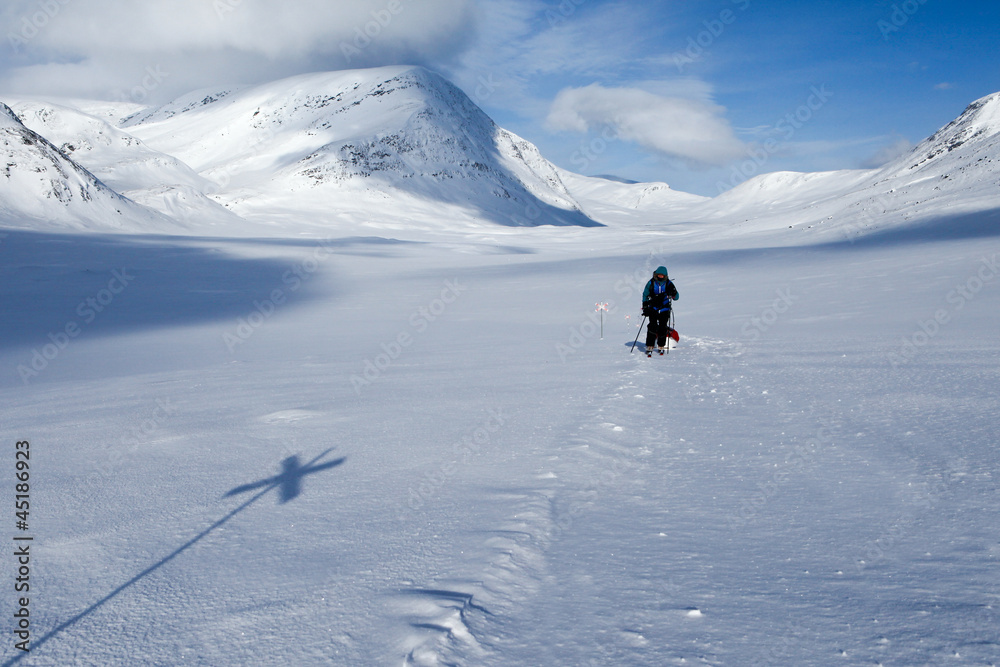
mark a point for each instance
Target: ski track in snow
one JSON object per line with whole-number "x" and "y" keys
{"x": 515, "y": 606}
{"x": 587, "y": 458}
{"x": 787, "y": 498}
{"x": 779, "y": 499}
{"x": 590, "y": 459}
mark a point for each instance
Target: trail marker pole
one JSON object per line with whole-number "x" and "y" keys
{"x": 601, "y": 307}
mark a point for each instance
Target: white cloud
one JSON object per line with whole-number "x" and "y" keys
{"x": 886, "y": 154}
{"x": 531, "y": 49}
{"x": 693, "y": 130}
{"x": 101, "y": 44}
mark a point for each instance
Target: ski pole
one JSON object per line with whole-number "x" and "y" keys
{"x": 670, "y": 326}
{"x": 637, "y": 335}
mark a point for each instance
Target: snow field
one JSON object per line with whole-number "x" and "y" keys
{"x": 369, "y": 422}
{"x": 773, "y": 491}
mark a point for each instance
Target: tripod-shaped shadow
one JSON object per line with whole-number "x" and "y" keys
{"x": 290, "y": 483}
{"x": 290, "y": 479}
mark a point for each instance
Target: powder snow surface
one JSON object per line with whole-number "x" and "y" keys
{"x": 376, "y": 452}
{"x": 372, "y": 444}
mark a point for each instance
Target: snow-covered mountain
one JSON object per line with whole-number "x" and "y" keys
{"x": 332, "y": 144}
{"x": 954, "y": 171}
{"x": 388, "y": 147}
{"x": 948, "y": 185}
{"x": 965, "y": 149}
{"x": 617, "y": 201}
{"x": 124, "y": 163}
{"x": 400, "y": 148}
{"x": 42, "y": 187}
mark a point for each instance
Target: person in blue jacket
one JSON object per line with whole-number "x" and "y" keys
{"x": 660, "y": 292}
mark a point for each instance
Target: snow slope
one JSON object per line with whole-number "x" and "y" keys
{"x": 951, "y": 179}
{"x": 615, "y": 201}
{"x": 330, "y": 144}
{"x": 367, "y": 452}
{"x": 124, "y": 163}
{"x": 42, "y": 185}
{"x": 333, "y": 447}
{"x": 400, "y": 149}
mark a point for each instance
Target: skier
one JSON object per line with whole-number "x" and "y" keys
{"x": 660, "y": 292}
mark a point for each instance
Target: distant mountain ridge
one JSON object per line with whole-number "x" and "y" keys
{"x": 41, "y": 184}
{"x": 397, "y": 148}
{"x": 389, "y": 146}
{"x": 952, "y": 175}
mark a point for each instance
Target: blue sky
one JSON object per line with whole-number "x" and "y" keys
{"x": 701, "y": 94}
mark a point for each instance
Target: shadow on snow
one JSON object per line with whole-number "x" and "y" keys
{"x": 288, "y": 481}
{"x": 102, "y": 285}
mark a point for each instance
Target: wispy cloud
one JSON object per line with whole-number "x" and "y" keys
{"x": 103, "y": 43}
{"x": 534, "y": 48}
{"x": 898, "y": 147}
{"x": 676, "y": 127}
